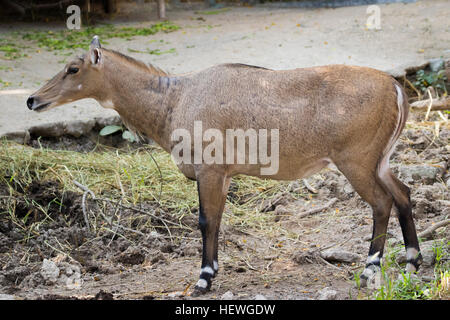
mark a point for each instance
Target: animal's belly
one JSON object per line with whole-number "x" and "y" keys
{"x": 292, "y": 171}
{"x": 287, "y": 170}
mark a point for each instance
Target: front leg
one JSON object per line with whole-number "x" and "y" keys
{"x": 212, "y": 190}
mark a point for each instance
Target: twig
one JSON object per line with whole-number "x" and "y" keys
{"x": 119, "y": 204}
{"x": 413, "y": 87}
{"x": 318, "y": 209}
{"x": 441, "y": 104}
{"x": 83, "y": 201}
{"x": 309, "y": 187}
{"x": 118, "y": 221}
{"x": 427, "y": 232}
{"x": 140, "y": 211}
{"x": 161, "y": 179}
{"x": 429, "y": 105}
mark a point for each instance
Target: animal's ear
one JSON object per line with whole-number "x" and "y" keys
{"x": 94, "y": 50}
{"x": 95, "y": 43}
{"x": 95, "y": 56}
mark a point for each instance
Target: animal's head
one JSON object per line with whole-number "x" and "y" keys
{"x": 81, "y": 78}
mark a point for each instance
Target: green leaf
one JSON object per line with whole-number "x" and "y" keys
{"x": 110, "y": 130}
{"x": 127, "y": 135}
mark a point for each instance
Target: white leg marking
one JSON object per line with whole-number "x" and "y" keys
{"x": 215, "y": 265}
{"x": 207, "y": 270}
{"x": 374, "y": 259}
{"x": 202, "y": 283}
{"x": 411, "y": 253}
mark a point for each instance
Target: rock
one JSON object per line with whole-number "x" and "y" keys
{"x": 49, "y": 271}
{"x": 7, "y": 297}
{"x": 22, "y": 137}
{"x": 259, "y": 297}
{"x": 339, "y": 255}
{"x": 422, "y": 207}
{"x": 50, "y": 129}
{"x": 425, "y": 173}
{"x": 77, "y": 128}
{"x": 131, "y": 256}
{"x": 102, "y": 295}
{"x": 427, "y": 250}
{"x": 327, "y": 294}
{"x": 304, "y": 257}
{"x": 227, "y": 296}
{"x": 102, "y": 122}
{"x": 447, "y": 69}
{"x": 175, "y": 294}
{"x": 437, "y": 64}
{"x": 70, "y": 275}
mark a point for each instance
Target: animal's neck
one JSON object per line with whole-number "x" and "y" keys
{"x": 144, "y": 101}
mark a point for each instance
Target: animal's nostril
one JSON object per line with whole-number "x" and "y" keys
{"x": 30, "y": 102}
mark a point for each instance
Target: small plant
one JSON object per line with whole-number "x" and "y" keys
{"x": 126, "y": 135}
{"x": 397, "y": 285}
{"x": 431, "y": 79}
{"x": 155, "y": 51}
{"x": 71, "y": 39}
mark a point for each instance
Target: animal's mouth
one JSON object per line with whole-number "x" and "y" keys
{"x": 41, "y": 107}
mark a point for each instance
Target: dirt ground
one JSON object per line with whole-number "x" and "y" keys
{"x": 162, "y": 265}
{"x": 68, "y": 261}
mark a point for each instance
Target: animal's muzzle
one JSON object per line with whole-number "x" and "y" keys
{"x": 30, "y": 103}
{"x": 35, "y": 105}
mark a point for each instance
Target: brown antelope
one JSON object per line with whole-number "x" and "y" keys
{"x": 347, "y": 115}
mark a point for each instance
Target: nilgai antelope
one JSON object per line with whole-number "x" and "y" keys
{"x": 347, "y": 115}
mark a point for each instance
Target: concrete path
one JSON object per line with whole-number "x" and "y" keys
{"x": 275, "y": 38}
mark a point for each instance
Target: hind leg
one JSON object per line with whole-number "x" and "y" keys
{"x": 402, "y": 199}
{"x": 367, "y": 185}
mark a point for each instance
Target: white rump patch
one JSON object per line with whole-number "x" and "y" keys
{"x": 384, "y": 163}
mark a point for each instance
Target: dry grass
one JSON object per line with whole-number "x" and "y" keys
{"x": 136, "y": 176}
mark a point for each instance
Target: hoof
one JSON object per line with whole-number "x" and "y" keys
{"x": 201, "y": 287}
{"x": 199, "y": 291}
{"x": 371, "y": 277}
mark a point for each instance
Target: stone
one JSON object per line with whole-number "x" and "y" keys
{"x": 78, "y": 128}
{"x": 437, "y": 64}
{"x": 227, "y": 296}
{"x": 132, "y": 256}
{"x": 49, "y": 271}
{"x": 424, "y": 173}
{"x": 339, "y": 255}
{"x": 327, "y": 294}
{"x": 259, "y": 297}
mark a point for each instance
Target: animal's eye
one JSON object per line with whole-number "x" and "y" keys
{"x": 72, "y": 70}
